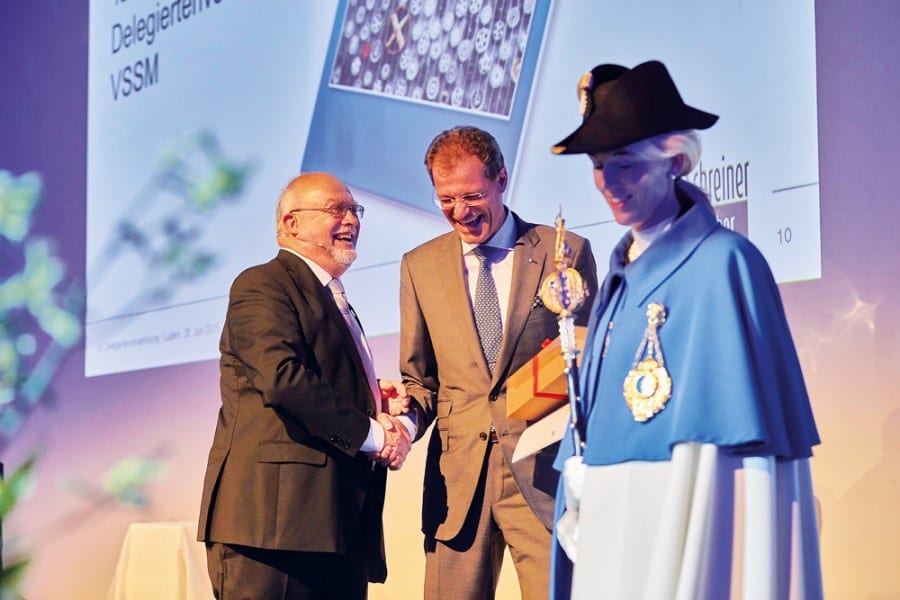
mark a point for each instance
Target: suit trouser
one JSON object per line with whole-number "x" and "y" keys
{"x": 468, "y": 566}
{"x": 244, "y": 573}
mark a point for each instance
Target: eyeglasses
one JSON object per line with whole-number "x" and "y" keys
{"x": 338, "y": 212}
{"x": 466, "y": 199}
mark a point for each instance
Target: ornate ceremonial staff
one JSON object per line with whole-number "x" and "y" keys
{"x": 564, "y": 292}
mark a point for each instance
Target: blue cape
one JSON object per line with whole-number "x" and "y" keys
{"x": 736, "y": 378}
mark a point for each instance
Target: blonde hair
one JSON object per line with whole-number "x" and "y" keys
{"x": 668, "y": 145}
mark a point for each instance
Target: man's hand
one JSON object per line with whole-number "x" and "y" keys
{"x": 394, "y": 399}
{"x": 396, "y": 442}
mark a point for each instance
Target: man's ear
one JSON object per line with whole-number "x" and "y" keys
{"x": 288, "y": 224}
{"x": 502, "y": 179}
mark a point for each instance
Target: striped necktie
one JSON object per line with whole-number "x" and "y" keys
{"x": 362, "y": 346}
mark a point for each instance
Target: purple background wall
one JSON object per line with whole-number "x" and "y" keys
{"x": 846, "y": 326}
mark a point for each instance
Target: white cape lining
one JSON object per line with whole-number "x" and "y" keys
{"x": 703, "y": 525}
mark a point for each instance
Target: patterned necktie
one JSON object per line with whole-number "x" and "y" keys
{"x": 487, "y": 307}
{"x": 362, "y": 346}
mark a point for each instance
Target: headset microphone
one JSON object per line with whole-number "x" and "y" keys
{"x": 312, "y": 243}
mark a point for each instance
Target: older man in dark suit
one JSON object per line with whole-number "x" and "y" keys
{"x": 470, "y": 315}
{"x": 295, "y": 483}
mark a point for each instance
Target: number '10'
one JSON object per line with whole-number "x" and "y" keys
{"x": 785, "y": 235}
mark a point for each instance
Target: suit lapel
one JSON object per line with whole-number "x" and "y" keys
{"x": 456, "y": 292}
{"x": 528, "y": 272}
{"x": 310, "y": 286}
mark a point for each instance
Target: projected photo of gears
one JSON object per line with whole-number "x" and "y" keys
{"x": 462, "y": 54}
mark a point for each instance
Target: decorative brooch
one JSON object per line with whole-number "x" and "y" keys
{"x": 648, "y": 386}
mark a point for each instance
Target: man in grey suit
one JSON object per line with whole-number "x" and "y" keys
{"x": 293, "y": 496}
{"x": 471, "y": 315}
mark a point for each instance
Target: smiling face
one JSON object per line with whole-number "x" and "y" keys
{"x": 474, "y": 221}
{"x": 313, "y": 220}
{"x": 640, "y": 192}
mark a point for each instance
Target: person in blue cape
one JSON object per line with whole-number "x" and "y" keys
{"x": 693, "y": 479}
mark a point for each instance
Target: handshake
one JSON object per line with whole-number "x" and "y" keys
{"x": 397, "y": 437}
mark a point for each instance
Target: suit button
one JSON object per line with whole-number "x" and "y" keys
{"x": 493, "y": 397}
{"x": 483, "y": 436}
{"x": 370, "y": 412}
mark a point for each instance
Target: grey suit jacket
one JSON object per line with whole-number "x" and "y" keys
{"x": 446, "y": 374}
{"x": 284, "y": 470}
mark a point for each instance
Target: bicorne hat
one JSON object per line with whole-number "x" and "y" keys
{"x": 621, "y": 106}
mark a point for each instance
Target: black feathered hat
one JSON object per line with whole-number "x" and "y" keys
{"x": 621, "y": 106}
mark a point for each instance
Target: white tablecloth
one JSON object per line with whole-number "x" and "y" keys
{"x": 161, "y": 560}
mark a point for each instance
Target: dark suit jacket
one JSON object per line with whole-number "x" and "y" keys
{"x": 447, "y": 376}
{"x": 284, "y": 470}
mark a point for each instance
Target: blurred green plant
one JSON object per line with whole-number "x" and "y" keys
{"x": 124, "y": 484}
{"x": 40, "y": 312}
{"x": 127, "y": 479}
{"x": 13, "y": 489}
{"x": 40, "y": 308}
{"x": 19, "y": 197}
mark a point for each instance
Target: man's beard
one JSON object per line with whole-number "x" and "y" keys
{"x": 343, "y": 256}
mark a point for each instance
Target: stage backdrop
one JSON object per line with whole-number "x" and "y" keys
{"x": 143, "y": 146}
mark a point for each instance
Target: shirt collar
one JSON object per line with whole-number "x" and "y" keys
{"x": 321, "y": 274}
{"x": 505, "y": 237}
{"x": 648, "y": 235}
